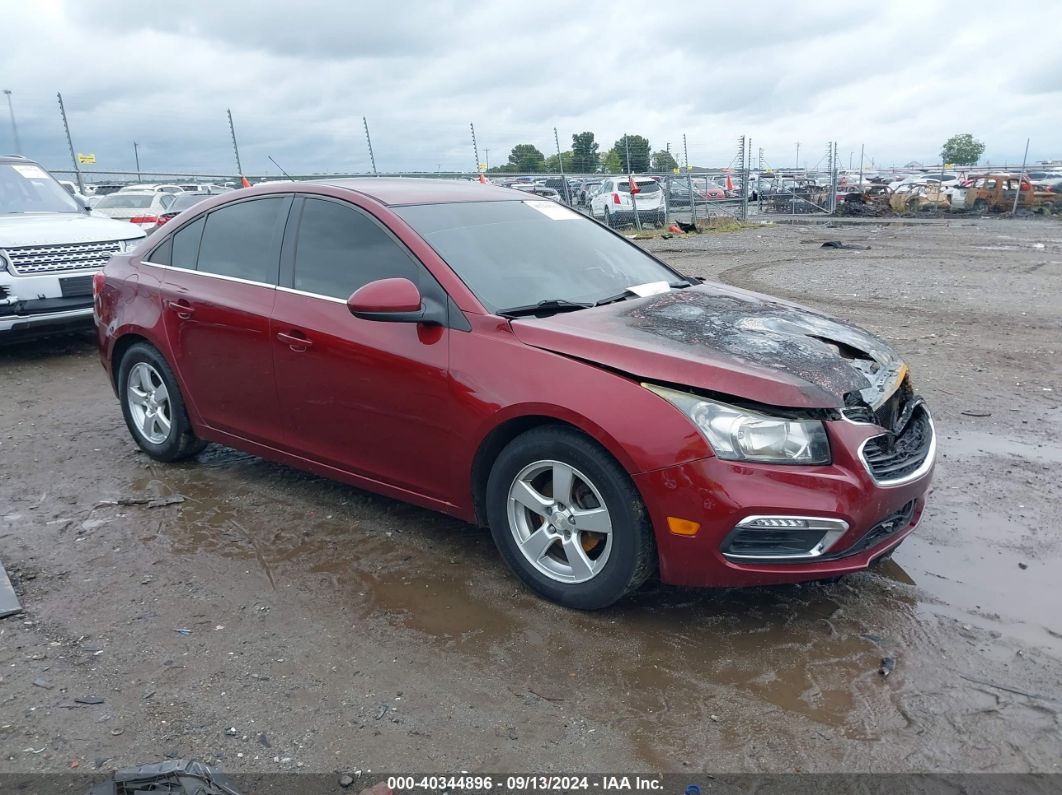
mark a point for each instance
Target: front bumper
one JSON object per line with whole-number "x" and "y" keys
{"x": 45, "y": 303}
{"x": 719, "y": 494}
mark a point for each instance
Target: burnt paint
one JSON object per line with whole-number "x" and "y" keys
{"x": 749, "y": 332}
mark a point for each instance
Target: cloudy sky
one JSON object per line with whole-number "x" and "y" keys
{"x": 898, "y": 77}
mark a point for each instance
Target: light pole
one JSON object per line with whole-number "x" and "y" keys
{"x": 14, "y": 126}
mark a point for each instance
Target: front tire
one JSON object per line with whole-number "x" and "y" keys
{"x": 153, "y": 406}
{"x": 568, "y": 520}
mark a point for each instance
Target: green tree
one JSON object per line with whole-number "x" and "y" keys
{"x": 637, "y": 148}
{"x": 962, "y": 150}
{"x": 585, "y": 159}
{"x": 525, "y": 158}
{"x": 611, "y": 163}
{"x": 552, "y": 165}
{"x": 663, "y": 161}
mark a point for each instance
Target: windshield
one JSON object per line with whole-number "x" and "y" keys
{"x": 28, "y": 188}
{"x": 518, "y": 253}
{"x": 136, "y": 201}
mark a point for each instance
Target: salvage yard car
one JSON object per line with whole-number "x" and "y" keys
{"x": 505, "y": 360}
{"x": 995, "y": 193}
{"x": 49, "y": 248}
{"x": 613, "y": 201}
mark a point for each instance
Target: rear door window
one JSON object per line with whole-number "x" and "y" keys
{"x": 186, "y": 245}
{"x": 340, "y": 248}
{"x": 242, "y": 240}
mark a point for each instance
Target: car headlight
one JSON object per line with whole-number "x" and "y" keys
{"x": 739, "y": 434}
{"x": 127, "y": 245}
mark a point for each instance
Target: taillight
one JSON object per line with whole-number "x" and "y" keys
{"x": 167, "y": 217}
{"x": 144, "y": 219}
{"x": 97, "y": 284}
{"x": 615, "y": 198}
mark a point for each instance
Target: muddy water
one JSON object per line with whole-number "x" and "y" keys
{"x": 993, "y": 556}
{"x": 651, "y": 668}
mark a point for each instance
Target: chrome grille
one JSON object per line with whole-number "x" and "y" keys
{"x": 31, "y": 260}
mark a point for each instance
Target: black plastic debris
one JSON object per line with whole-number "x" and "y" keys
{"x": 176, "y": 777}
{"x": 840, "y": 244}
{"x": 888, "y": 665}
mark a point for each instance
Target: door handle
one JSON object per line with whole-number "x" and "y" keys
{"x": 294, "y": 340}
{"x": 182, "y": 308}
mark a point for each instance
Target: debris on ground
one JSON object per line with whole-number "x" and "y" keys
{"x": 90, "y": 700}
{"x": 9, "y": 604}
{"x": 888, "y": 665}
{"x": 346, "y": 781}
{"x": 177, "y": 776}
{"x": 150, "y": 502}
{"x": 976, "y": 413}
{"x": 42, "y": 683}
{"x": 842, "y": 244}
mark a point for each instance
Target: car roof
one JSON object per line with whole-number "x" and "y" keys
{"x": 397, "y": 191}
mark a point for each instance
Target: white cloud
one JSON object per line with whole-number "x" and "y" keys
{"x": 899, "y": 77}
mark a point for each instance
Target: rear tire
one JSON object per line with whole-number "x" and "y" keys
{"x": 153, "y": 406}
{"x": 586, "y": 548}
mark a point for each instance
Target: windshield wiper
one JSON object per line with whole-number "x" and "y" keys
{"x": 549, "y": 306}
{"x": 629, "y": 293}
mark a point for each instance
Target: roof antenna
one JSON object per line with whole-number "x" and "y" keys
{"x": 282, "y": 171}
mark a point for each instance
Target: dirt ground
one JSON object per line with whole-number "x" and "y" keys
{"x": 275, "y": 621}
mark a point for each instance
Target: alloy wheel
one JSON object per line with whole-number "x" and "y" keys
{"x": 149, "y": 403}
{"x": 560, "y": 521}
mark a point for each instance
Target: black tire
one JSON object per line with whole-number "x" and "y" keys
{"x": 632, "y": 557}
{"x": 980, "y": 206}
{"x": 180, "y": 442}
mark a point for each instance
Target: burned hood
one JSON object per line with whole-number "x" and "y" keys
{"x": 728, "y": 341}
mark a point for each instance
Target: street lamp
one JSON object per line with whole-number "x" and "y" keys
{"x": 14, "y": 127}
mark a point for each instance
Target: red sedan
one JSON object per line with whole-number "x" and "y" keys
{"x": 508, "y": 361}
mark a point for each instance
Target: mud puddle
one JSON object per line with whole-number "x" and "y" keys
{"x": 984, "y": 553}
{"x": 677, "y": 657}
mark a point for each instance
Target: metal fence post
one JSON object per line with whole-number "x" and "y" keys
{"x": 70, "y": 143}
{"x": 560, "y": 167}
{"x": 235, "y": 148}
{"x": 689, "y": 182}
{"x": 368, "y": 140}
{"x": 1021, "y": 177}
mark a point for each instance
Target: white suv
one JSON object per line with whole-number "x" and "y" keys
{"x": 612, "y": 202}
{"x": 50, "y": 245}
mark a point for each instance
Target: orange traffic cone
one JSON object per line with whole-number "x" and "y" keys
{"x": 483, "y": 179}
{"x": 244, "y": 182}
{"x": 729, "y": 183}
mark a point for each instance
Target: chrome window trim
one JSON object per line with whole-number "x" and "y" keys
{"x": 833, "y": 529}
{"x": 923, "y": 468}
{"x": 293, "y": 291}
{"x": 236, "y": 279}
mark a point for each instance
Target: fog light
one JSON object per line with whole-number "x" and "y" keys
{"x": 782, "y": 538}
{"x": 682, "y": 527}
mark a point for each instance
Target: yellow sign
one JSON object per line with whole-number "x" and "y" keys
{"x": 86, "y": 160}
{"x": 674, "y": 171}
{"x": 482, "y": 166}
{"x": 949, "y": 166}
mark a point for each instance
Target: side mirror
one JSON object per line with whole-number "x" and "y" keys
{"x": 394, "y": 301}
